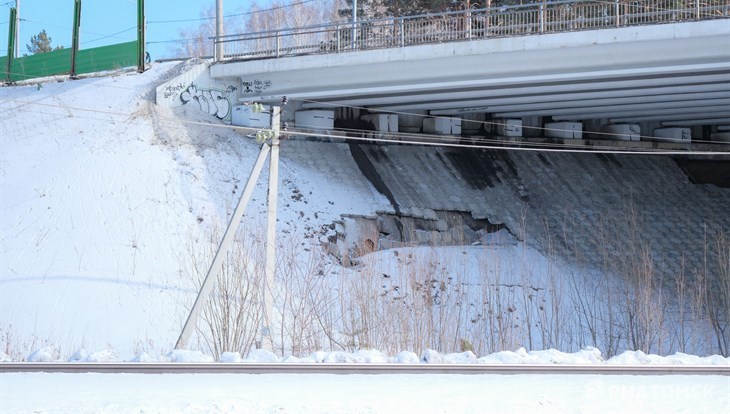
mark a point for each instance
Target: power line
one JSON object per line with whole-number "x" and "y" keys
{"x": 83, "y": 31}
{"x": 485, "y": 123}
{"x": 231, "y": 15}
{"x": 111, "y": 35}
{"x": 417, "y": 139}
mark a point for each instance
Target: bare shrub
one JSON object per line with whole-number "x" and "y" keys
{"x": 303, "y": 300}
{"x": 717, "y": 289}
{"x": 231, "y": 317}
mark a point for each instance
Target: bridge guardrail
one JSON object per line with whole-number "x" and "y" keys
{"x": 534, "y": 18}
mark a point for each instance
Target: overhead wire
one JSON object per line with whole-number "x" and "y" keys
{"x": 425, "y": 139}
{"x": 231, "y": 15}
{"x": 485, "y": 123}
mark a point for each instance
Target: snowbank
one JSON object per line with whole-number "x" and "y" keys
{"x": 588, "y": 355}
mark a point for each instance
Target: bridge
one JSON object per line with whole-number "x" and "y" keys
{"x": 628, "y": 68}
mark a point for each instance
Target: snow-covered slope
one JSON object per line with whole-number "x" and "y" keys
{"x": 102, "y": 195}
{"x": 106, "y": 200}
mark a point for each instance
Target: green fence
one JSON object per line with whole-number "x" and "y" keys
{"x": 58, "y": 62}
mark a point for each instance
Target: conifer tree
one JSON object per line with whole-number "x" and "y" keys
{"x": 41, "y": 43}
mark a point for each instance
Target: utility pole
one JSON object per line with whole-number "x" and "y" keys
{"x": 267, "y": 342}
{"x": 218, "y": 30}
{"x": 268, "y": 285}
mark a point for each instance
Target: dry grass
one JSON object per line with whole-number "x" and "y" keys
{"x": 425, "y": 299}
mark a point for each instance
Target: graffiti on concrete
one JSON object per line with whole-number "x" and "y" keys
{"x": 255, "y": 86}
{"x": 172, "y": 90}
{"x": 210, "y": 100}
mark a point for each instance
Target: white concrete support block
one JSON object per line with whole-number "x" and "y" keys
{"x": 622, "y": 132}
{"x": 243, "y": 115}
{"x": 319, "y": 119}
{"x": 672, "y": 135}
{"x": 442, "y": 125}
{"x": 383, "y": 122}
{"x": 509, "y": 127}
{"x": 564, "y": 130}
{"x": 720, "y": 137}
{"x": 455, "y": 126}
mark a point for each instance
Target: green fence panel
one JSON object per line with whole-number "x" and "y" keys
{"x": 107, "y": 57}
{"x": 41, "y": 64}
{"x": 59, "y": 61}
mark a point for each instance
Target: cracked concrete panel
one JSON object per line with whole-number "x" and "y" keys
{"x": 590, "y": 208}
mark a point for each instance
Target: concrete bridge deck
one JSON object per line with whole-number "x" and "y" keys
{"x": 656, "y": 75}
{"x": 675, "y": 72}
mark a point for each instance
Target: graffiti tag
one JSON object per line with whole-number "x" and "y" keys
{"x": 172, "y": 90}
{"x": 255, "y": 86}
{"x": 212, "y": 101}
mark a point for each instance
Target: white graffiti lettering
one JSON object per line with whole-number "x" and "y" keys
{"x": 212, "y": 101}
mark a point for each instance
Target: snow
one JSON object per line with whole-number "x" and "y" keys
{"x": 186, "y": 356}
{"x": 103, "y": 197}
{"x": 105, "y": 194}
{"x": 371, "y": 394}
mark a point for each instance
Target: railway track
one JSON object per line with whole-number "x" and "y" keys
{"x": 372, "y": 369}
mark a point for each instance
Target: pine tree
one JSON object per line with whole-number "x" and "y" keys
{"x": 41, "y": 43}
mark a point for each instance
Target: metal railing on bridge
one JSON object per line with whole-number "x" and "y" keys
{"x": 520, "y": 20}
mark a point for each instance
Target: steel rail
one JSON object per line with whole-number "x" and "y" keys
{"x": 366, "y": 369}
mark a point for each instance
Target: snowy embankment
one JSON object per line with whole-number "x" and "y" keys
{"x": 104, "y": 195}
{"x": 111, "y": 206}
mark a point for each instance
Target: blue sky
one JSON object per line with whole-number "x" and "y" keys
{"x": 105, "y": 22}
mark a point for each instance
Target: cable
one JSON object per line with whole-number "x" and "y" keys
{"x": 412, "y": 136}
{"x": 231, "y": 15}
{"x": 512, "y": 147}
{"x": 490, "y": 123}
{"x": 82, "y": 31}
{"x": 179, "y": 40}
{"x": 426, "y": 140}
{"x": 111, "y": 35}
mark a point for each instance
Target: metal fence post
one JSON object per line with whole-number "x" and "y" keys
{"x": 140, "y": 36}
{"x": 697, "y": 8}
{"x": 618, "y": 13}
{"x": 11, "y": 43}
{"x": 542, "y": 17}
{"x": 338, "y": 37}
{"x": 402, "y": 25}
{"x": 278, "y": 44}
{"x": 75, "y": 37}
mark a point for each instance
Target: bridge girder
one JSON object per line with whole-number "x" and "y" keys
{"x": 651, "y": 73}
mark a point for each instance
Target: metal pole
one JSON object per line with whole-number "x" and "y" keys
{"x": 697, "y": 8}
{"x": 140, "y": 36}
{"x": 267, "y": 342}
{"x": 354, "y": 23}
{"x": 218, "y": 30}
{"x": 17, "y": 28}
{"x": 468, "y": 19}
{"x": 215, "y": 267}
{"x": 75, "y": 38}
{"x": 12, "y": 42}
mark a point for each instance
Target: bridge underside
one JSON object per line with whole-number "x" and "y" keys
{"x": 661, "y": 75}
